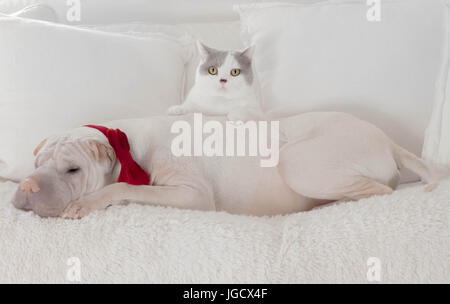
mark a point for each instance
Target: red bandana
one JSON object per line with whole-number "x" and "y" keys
{"x": 130, "y": 173}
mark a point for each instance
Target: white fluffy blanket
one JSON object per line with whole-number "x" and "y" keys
{"x": 408, "y": 232}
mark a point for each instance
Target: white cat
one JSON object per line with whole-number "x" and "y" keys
{"x": 224, "y": 85}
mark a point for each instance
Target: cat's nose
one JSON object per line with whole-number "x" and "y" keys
{"x": 223, "y": 80}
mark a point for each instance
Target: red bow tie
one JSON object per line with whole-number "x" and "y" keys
{"x": 130, "y": 173}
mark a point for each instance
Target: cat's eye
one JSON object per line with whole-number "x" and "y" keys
{"x": 212, "y": 70}
{"x": 235, "y": 72}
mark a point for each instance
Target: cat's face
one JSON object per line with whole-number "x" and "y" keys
{"x": 225, "y": 73}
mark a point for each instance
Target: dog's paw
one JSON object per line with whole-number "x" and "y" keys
{"x": 431, "y": 187}
{"x": 77, "y": 210}
{"x": 176, "y": 110}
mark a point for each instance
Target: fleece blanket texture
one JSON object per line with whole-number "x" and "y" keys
{"x": 401, "y": 238}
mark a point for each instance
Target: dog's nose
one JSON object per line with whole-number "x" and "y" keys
{"x": 30, "y": 186}
{"x": 223, "y": 80}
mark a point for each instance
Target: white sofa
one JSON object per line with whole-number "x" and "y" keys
{"x": 402, "y": 238}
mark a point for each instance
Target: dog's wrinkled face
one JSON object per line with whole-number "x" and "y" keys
{"x": 66, "y": 170}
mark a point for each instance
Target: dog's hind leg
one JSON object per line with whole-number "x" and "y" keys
{"x": 365, "y": 187}
{"x": 314, "y": 170}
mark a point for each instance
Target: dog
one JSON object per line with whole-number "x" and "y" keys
{"x": 324, "y": 157}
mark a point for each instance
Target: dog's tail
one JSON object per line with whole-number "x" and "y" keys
{"x": 428, "y": 173}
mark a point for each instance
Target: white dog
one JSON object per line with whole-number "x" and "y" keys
{"x": 325, "y": 157}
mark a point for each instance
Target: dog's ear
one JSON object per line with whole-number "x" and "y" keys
{"x": 39, "y": 147}
{"x": 100, "y": 150}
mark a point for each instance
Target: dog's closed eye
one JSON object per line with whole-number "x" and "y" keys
{"x": 73, "y": 170}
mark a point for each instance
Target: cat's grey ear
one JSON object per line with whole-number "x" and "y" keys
{"x": 204, "y": 50}
{"x": 248, "y": 52}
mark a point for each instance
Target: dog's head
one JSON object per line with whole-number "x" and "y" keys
{"x": 67, "y": 167}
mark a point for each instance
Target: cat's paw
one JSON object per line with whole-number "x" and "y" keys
{"x": 237, "y": 123}
{"x": 176, "y": 110}
{"x": 238, "y": 116}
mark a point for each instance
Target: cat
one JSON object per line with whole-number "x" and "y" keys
{"x": 224, "y": 85}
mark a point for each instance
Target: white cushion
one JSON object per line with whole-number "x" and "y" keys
{"x": 437, "y": 140}
{"x": 38, "y": 12}
{"x": 328, "y": 56}
{"x": 220, "y": 35}
{"x": 154, "y": 11}
{"x": 56, "y": 77}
